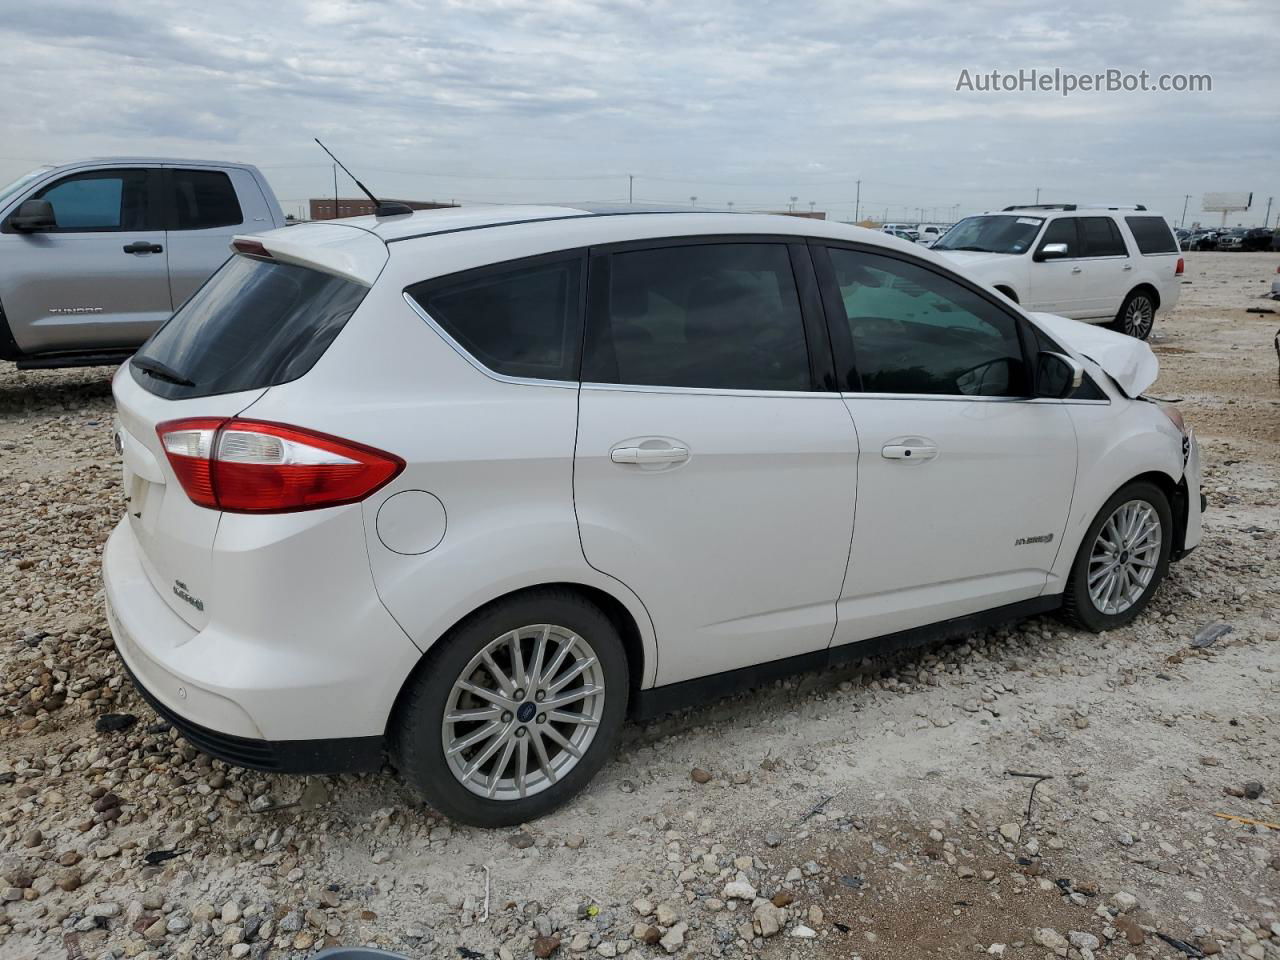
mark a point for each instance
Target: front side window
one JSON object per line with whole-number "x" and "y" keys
{"x": 997, "y": 233}
{"x": 714, "y": 315}
{"x": 1102, "y": 237}
{"x": 521, "y": 320}
{"x": 99, "y": 201}
{"x": 202, "y": 199}
{"x": 916, "y": 331}
{"x": 1063, "y": 230}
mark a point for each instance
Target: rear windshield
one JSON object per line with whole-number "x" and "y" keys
{"x": 1153, "y": 234}
{"x": 254, "y": 324}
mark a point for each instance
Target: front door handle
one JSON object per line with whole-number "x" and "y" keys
{"x": 909, "y": 448}
{"x": 649, "y": 454}
{"x": 1076, "y": 270}
{"x": 1128, "y": 266}
{"x": 142, "y": 246}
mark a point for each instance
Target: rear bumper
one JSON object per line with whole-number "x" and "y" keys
{"x": 229, "y": 695}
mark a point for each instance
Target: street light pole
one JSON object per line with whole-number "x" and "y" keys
{"x": 335, "y": 192}
{"x": 1186, "y": 198}
{"x": 857, "y": 201}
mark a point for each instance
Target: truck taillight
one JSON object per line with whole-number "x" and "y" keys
{"x": 250, "y": 466}
{"x": 1182, "y": 265}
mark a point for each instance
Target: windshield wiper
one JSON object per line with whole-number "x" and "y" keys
{"x": 161, "y": 371}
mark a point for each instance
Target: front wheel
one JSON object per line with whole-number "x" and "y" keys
{"x": 515, "y": 711}
{"x": 1136, "y": 317}
{"x": 1122, "y": 560}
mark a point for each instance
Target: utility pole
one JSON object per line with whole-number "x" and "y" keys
{"x": 1186, "y": 198}
{"x": 1037, "y": 194}
{"x": 1267, "y": 219}
{"x": 335, "y": 192}
{"x": 631, "y": 182}
{"x": 857, "y": 202}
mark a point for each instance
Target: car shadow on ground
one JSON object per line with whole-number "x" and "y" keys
{"x": 38, "y": 392}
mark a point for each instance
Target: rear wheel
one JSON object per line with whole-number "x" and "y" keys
{"x": 1122, "y": 560}
{"x": 1137, "y": 315}
{"x": 516, "y": 710}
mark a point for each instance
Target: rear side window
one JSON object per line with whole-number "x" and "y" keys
{"x": 1063, "y": 230}
{"x": 100, "y": 201}
{"x": 255, "y": 324}
{"x": 520, "y": 320}
{"x": 202, "y": 199}
{"x": 716, "y": 316}
{"x": 1152, "y": 234}
{"x": 1102, "y": 237}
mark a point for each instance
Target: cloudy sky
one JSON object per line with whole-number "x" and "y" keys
{"x": 750, "y": 102}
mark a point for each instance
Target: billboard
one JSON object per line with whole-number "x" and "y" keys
{"x": 1226, "y": 202}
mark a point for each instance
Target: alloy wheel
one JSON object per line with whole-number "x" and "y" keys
{"x": 1139, "y": 316}
{"x": 523, "y": 712}
{"x": 1124, "y": 557}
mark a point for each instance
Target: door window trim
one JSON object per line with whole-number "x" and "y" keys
{"x": 808, "y": 294}
{"x": 576, "y": 337}
{"x": 845, "y": 356}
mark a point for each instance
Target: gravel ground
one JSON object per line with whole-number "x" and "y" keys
{"x": 862, "y": 813}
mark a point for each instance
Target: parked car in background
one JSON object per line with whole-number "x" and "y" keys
{"x": 96, "y": 254}
{"x": 1231, "y": 240}
{"x": 1112, "y": 265}
{"x": 930, "y": 233}
{"x": 1257, "y": 239}
{"x": 906, "y": 231}
{"x": 1202, "y": 240}
{"x": 325, "y": 559}
{"x": 1275, "y": 286}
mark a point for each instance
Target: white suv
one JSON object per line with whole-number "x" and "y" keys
{"x": 1112, "y": 265}
{"x": 466, "y": 488}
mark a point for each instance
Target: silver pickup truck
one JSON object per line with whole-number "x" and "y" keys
{"x": 94, "y": 255}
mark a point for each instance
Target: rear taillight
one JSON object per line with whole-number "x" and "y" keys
{"x": 1181, "y": 266}
{"x": 247, "y": 466}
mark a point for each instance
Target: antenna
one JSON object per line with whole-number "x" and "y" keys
{"x": 381, "y": 208}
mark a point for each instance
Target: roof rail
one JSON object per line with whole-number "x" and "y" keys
{"x": 1042, "y": 206}
{"x": 1076, "y": 206}
{"x": 1121, "y": 206}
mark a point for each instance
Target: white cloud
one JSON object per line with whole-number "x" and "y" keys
{"x": 746, "y": 101}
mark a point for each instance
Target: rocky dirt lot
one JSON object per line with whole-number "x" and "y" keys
{"x": 865, "y": 813}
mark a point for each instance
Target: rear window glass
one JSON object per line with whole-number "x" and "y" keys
{"x": 1152, "y": 234}
{"x": 254, "y": 324}
{"x": 202, "y": 199}
{"x": 520, "y": 320}
{"x": 1102, "y": 238}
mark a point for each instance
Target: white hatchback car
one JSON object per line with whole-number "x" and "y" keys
{"x": 1112, "y": 265}
{"x": 466, "y": 488}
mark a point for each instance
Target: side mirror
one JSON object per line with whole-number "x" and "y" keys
{"x": 34, "y": 215}
{"x": 1051, "y": 251}
{"x": 1057, "y": 375}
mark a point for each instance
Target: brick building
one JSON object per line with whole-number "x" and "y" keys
{"x": 322, "y": 208}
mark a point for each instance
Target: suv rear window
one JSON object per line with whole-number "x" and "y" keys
{"x": 1152, "y": 234}
{"x": 255, "y": 324}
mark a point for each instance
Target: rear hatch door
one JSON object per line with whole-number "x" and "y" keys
{"x": 258, "y": 322}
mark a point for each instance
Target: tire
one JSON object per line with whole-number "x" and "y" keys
{"x": 1137, "y": 315}
{"x": 552, "y": 774}
{"x": 1080, "y": 606}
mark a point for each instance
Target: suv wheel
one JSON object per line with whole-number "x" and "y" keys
{"x": 1137, "y": 315}
{"x": 515, "y": 710}
{"x": 1123, "y": 559}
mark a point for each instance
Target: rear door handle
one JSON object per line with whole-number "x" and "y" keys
{"x": 1128, "y": 266}
{"x": 909, "y": 448}
{"x": 649, "y": 454}
{"x": 1076, "y": 270}
{"x": 142, "y": 246}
